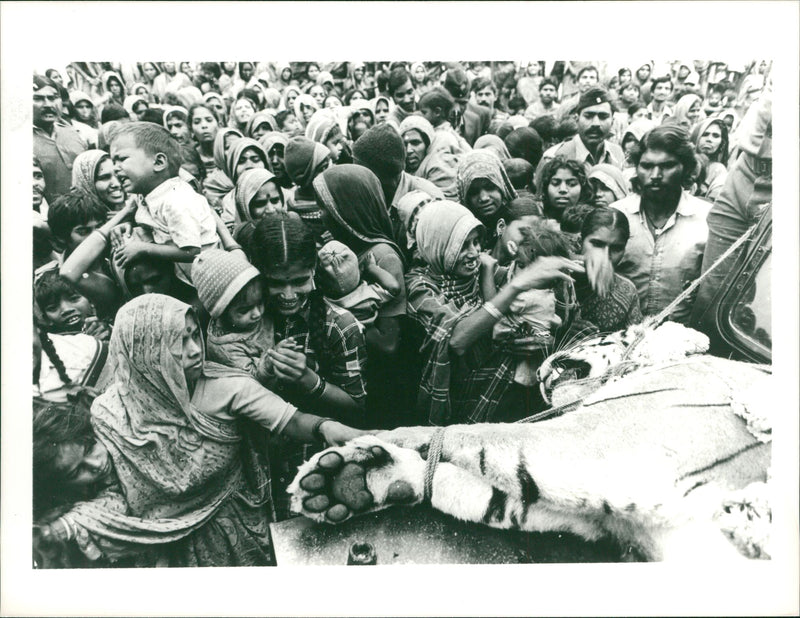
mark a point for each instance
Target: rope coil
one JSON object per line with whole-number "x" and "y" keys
{"x": 434, "y": 454}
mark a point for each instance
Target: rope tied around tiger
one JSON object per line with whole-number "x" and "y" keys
{"x": 434, "y": 454}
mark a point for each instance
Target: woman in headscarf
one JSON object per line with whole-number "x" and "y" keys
{"x": 632, "y": 136}
{"x": 494, "y": 144}
{"x": 465, "y": 375}
{"x": 484, "y": 188}
{"x": 272, "y": 99}
{"x": 355, "y": 77}
{"x": 136, "y": 106}
{"x": 382, "y": 106}
{"x": 217, "y": 184}
{"x": 304, "y": 160}
{"x": 352, "y": 199}
{"x": 710, "y": 138}
{"x": 244, "y": 154}
{"x": 183, "y": 482}
{"x": 360, "y": 118}
{"x": 284, "y": 73}
{"x": 290, "y": 94}
{"x": 324, "y": 128}
{"x": 113, "y": 89}
{"x": 176, "y": 121}
{"x": 93, "y": 174}
{"x": 256, "y": 194}
{"x": 260, "y": 123}
{"x": 304, "y": 107}
{"x": 325, "y": 79}
{"x": 424, "y": 159}
{"x": 274, "y": 144}
{"x": 687, "y": 111}
{"x": 84, "y": 117}
{"x": 149, "y": 71}
{"x": 409, "y": 208}
{"x": 608, "y": 184}
{"x": 215, "y": 100}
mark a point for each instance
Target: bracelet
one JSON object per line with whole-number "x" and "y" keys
{"x": 319, "y": 388}
{"x": 102, "y": 234}
{"x": 234, "y": 248}
{"x": 492, "y": 310}
{"x": 315, "y": 430}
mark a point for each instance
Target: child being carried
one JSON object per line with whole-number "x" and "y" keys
{"x": 360, "y": 288}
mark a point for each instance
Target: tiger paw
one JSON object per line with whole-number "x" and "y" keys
{"x": 362, "y": 476}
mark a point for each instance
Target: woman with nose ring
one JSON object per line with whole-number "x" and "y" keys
{"x": 466, "y": 375}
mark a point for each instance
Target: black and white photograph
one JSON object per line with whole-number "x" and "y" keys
{"x": 302, "y": 301}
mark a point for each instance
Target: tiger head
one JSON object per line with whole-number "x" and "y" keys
{"x": 599, "y": 356}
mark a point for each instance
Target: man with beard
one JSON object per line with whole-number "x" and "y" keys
{"x": 55, "y": 143}
{"x": 590, "y": 146}
{"x": 668, "y": 229}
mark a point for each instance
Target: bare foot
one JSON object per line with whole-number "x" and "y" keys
{"x": 364, "y": 475}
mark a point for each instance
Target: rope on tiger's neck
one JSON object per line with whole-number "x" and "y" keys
{"x": 434, "y": 454}
{"x": 655, "y": 321}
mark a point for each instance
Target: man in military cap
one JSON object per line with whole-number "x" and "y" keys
{"x": 470, "y": 121}
{"x": 590, "y": 146}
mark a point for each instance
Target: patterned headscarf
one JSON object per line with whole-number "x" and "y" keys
{"x": 248, "y": 184}
{"x": 442, "y": 228}
{"x": 483, "y": 164}
{"x": 235, "y": 153}
{"x": 162, "y": 447}
{"x": 494, "y": 144}
{"x": 84, "y": 169}
{"x": 321, "y": 125}
{"x": 353, "y": 197}
{"x": 257, "y": 119}
{"x": 407, "y": 207}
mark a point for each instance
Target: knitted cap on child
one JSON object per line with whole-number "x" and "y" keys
{"x": 218, "y": 277}
{"x": 341, "y": 273}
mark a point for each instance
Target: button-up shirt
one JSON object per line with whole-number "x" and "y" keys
{"x": 56, "y": 153}
{"x": 576, "y": 149}
{"x": 664, "y": 263}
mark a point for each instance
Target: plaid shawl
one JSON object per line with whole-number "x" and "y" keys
{"x": 453, "y": 389}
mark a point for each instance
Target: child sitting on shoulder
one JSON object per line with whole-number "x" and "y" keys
{"x": 239, "y": 334}
{"x": 533, "y": 314}
{"x": 147, "y": 160}
{"x": 361, "y": 289}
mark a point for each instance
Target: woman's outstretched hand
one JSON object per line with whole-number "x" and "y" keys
{"x": 543, "y": 272}
{"x": 336, "y": 434}
{"x": 599, "y": 271}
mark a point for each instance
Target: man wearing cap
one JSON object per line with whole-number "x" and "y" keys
{"x": 470, "y": 121}
{"x": 590, "y": 146}
{"x": 55, "y": 143}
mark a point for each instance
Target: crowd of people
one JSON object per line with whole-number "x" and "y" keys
{"x": 236, "y": 264}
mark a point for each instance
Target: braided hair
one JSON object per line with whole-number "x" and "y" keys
{"x": 282, "y": 239}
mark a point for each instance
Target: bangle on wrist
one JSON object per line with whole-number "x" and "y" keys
{"x": 316, "y": 432}
{"x": 492, "y": 310}
{"x": 318, "y": 389}
{"x": 234, "y": 247}
{"x": 102, "y": 235}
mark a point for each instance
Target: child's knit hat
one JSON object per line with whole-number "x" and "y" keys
{"x": 218, "y": 277}
{"x": 340, "y": 273}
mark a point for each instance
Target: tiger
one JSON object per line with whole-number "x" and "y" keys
{"x": 589, "y": 362}
{"x": 648, "y": 461}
